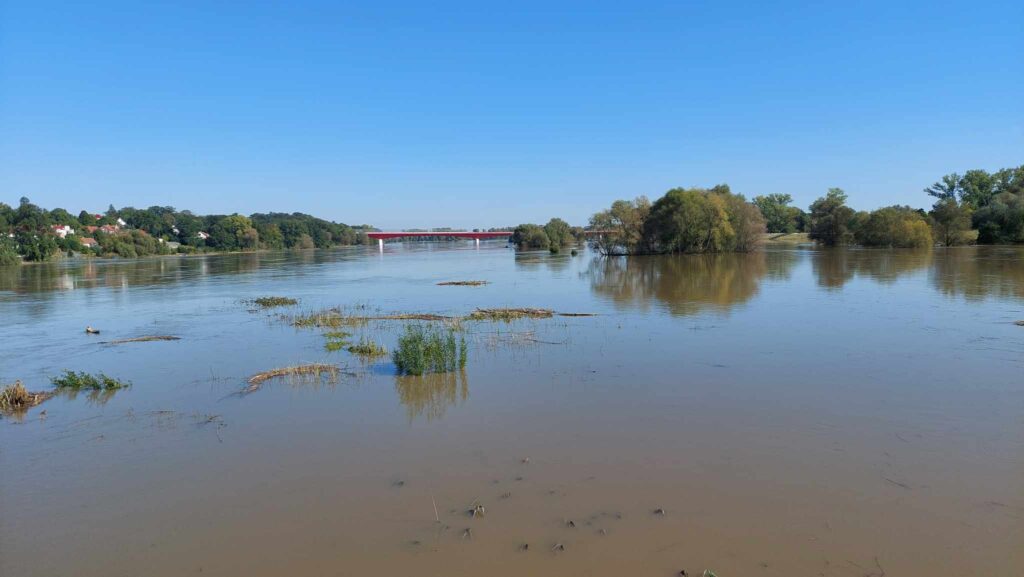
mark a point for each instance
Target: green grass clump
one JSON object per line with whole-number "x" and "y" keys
{"x": 368, "y": 348}
{"x": 338, "y": 335}
{"x": 271, "y": 302}
{"x": 332, "y": 346}
{"x": 77, "y": 381}
{"x": 429, "y": 350}
{"x": 327, "y": 319}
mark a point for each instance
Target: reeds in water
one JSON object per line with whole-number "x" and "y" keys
{"x": 422, "y": 350}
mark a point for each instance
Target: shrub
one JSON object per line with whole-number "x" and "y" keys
{"x": 83, "y": 380}
{"x": 530, "y": 236}
{"x": 952, "y": 221}
{"x": 368, "y": 348}
{"x": 894, "y": 226}
{"x": 429, "y": 350}
{"x": 1002, "y": 220}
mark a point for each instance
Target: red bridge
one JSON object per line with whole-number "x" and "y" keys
{"x": 381, "y": 236}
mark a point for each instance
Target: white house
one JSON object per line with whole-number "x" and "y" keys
{"x": 62, "y": 230}
{"x": 203, "y": 235}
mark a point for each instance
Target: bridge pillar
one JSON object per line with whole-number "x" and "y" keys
{"x": 380, "y": 244}
{"x": 478, "y": 242}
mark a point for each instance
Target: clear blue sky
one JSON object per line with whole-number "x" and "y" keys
{"x": 404, "y": 114}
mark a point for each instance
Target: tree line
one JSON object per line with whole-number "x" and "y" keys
{"x": 976, "y": 206}
{"x": 28, "y": 232}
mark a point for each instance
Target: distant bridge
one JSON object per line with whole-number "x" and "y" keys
{"x": 475, "y": 235}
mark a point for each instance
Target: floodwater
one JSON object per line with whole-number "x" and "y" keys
{"x": 792, "y": 412}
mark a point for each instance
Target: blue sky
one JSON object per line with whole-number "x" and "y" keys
{"x": 403, "y": 114}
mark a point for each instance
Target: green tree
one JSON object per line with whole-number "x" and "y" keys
{"x": 948, "y": 187}
{"x": 778, "y": 215}
{"x": 952, "y": 221}
{"x": 895, "y": 226}
{"x": 530, "y": 236}
{"x": 1002, "y": 220}
{"x": 559, "y": 233}
{"x": 830, "y": 219}
{"x": 976, "y": 188}
{"x": 622, "y": 226}
{"x": 36, "y": 247}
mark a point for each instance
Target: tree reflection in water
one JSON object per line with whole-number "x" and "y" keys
{"x": 430, "y": 395}
{"x": 977, "y": 273}
{"x": 688, "y": 284}
{"x": 836, "y": 266}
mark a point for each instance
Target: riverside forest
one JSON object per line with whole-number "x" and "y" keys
{"x": 978, "y": 206}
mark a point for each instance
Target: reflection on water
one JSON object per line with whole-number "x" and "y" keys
{"x": 687, "y": 284}
{"x": 835, "y": 267}
{"x": 978, "y": 273}
{"x": 430, "y": 396}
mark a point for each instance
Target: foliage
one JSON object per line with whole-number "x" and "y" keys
{"x": 36, "y": 246}
{"x": 951, "y": 221}
{"x": 559, "y": 233}
{"x": 1002, "y": 220}
{"x": 830, "y": 220}
{"x": 271, "y": 302}
{"x": 531, "y": 236}
{"x": 424, "y": 350}
{"x": 8, "y": 252}
{"x": 778, "y": 215}
{"x": 83, "y": 380}
{"x": 697, "y": 220}
{"x": 894, "y": 226}
{"x": 367, "y": 348}
{"x": 623, "y": 224}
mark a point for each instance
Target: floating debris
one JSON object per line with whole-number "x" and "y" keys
{"x": 558, "y": 547}
{"x": 462, "y": 283}
{"x": 659, "y": 511}
{"x": 144, "y": 339}
{"x": 467, "y": 533}
{"x": 92, "y": 331}
{"x": 1019, "y": 323}
{"x": 570, "y": 524}
{"x": 477, "y": 511}
{"x": 577, "y": 314}
{"x": 16, "y": 398}
{"x": 524, "y": 547}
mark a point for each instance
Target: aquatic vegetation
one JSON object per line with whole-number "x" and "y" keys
{"x": 462, "y": 283}
{"x": 509, "y": 314}
{"x": 368, "y": 348}
{"x": 315, "y": 371}
{"x": 339, "y": 335}
{"x": 77, "y": 381}
{"x": 333, "y": 346}
{"x": 15, "y": 398}
{"x": 271, "y": 302}
{"x": 424, "y": 350}
{"x": 335, "y": 318}
{"x": 145, "y": 339}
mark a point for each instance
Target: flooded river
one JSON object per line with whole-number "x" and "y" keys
{"x": 789, "y": 412}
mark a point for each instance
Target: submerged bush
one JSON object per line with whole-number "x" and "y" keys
{"x": 367, "y": 348}
{"x": 429, "y": 350}
{"x": 894, "y": 226}
{"x": 270, "y": 302}
{"x": 83, "y": 380}
{"x": 15, "y": 398}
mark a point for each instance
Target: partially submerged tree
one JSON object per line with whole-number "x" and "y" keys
{"x": 830, "y": 219}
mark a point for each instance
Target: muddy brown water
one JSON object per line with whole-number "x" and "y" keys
{"x": 793, "y": 412}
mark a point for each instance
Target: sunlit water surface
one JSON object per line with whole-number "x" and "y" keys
{"x": 792, "y": 412}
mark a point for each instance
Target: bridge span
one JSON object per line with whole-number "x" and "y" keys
{"x": 475, "y": 235}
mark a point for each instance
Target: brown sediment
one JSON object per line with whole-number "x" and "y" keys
{"x": 313, "y": 370}
{"x": 509, "y": 314}
{"x": 145, "y": 339}
{"x": 462, "y": 283}
{"x": 16, "y": 398}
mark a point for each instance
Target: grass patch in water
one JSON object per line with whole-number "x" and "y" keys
{"x": 368, "y": 348}
{"x": 16, "y": 398}
{"x": 509, "y": 314}
{"x": 423, "y": 350}
{"x": 339, "y": 335}
{"x": 271, "y": 302}
{"x": 462, "y": 283}
{"x": 98, "y": 382}
{"x": 315, "y": 372}
{"x": 332, "y": 346}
